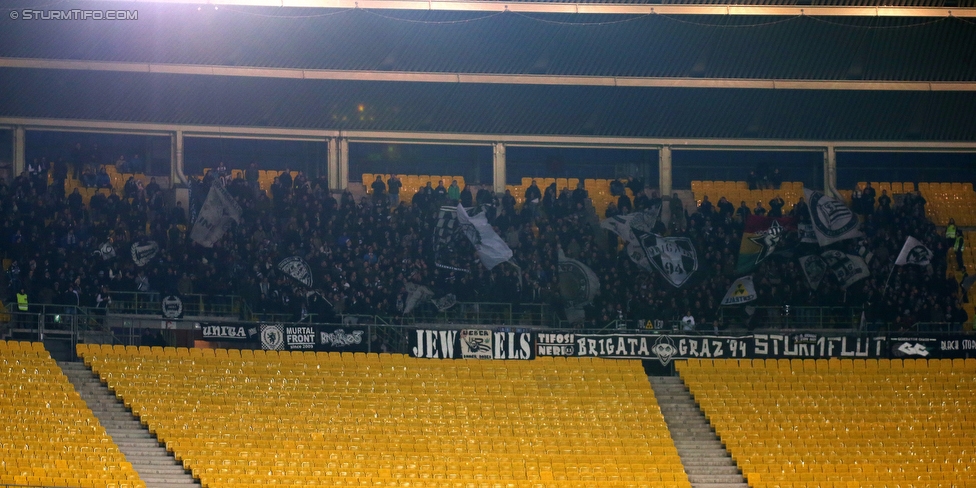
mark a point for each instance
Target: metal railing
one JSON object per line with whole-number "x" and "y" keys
{"x": 57, "y": 322}
{"x": 148, "y": 303}
{"x": 789, "y": 317}
{"x": 936, "y": 327}
{"x": 485, "y": 313}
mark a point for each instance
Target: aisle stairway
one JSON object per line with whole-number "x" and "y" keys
{"x": 156, "y": 467}
{"x": 704, "y": 457}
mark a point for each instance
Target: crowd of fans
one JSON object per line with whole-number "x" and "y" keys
{"x": 363, "y": 252}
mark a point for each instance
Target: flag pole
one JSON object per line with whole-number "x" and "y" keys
{"x": 885, "y": 290}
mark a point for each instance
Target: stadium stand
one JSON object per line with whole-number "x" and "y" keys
{"x": 252, "y": 418}
{"x": 738, "y": 191}
{"x": 842, "y": 422}
{"x": 49, "y": 436}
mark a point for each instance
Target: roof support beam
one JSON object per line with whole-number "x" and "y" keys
{"x": 611, "y": 8}
{"x": 485, "y": 78}
{"x": 676, "y": 144}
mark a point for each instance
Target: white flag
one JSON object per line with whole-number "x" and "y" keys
{"x": 832, "y": 220}
{"x": 491, "y": 248}
{"x": 215, "y": 216}
{"x": 742, "y": 290}
{"x": 914, "y": 252}
{"x": 415, "y": 294}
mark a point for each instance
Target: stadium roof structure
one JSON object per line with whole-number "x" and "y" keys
{"x": 495, "y": 109}
{"x": 472, "y": 72}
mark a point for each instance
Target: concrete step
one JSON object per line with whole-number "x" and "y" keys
{"x": 156, "y": 467}
{"x": 713, "y": 470}
{"x": 706, "y": 461}
{"x": 702, "y": 478}
{"x": 718, "y": 485}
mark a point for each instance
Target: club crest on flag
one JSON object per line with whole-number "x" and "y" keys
{"x": 674, "y": 257}
{"x": 832, "y": 220}
{"x": 914, "y": 252}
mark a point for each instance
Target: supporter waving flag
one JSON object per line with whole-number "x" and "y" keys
{"x": 761, "y": 237}
{"x": 914, "y": 252}
{"x": 742, "y": 290}
{"x": 832, "y": 220}
{"x": 215, "y": 216}
{"x": 491, "y": 248}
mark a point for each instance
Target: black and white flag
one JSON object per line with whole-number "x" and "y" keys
{"x": 578, "y": 284}
{"x": 106, "y": 250}
{"x": 215, "y": 216}
{"x": 298, "y": 269}
{"x": 445, "y": 302}
{"x": 807, "y": 235}
{"x": 832, "y": 220}
{"x": 814, "y": 269}
{"x": 143, "y": 252}
{"x": 172, "y": 307}
{"x": 914, "y": 252}
{"x": 447, "y": 224}
{"x": 848, "y": 268}
{"x": 674, "y": 257}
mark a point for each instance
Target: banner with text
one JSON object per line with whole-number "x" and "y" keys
{"x": 470, "y": 344}
{"x": 666, "y": 348}
{"x": 296, "y": 337}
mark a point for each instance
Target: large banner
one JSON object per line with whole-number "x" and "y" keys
{"x": 470, "y": 344}
{"x": 666, "y": 348}
{"x": 297, "y": 337}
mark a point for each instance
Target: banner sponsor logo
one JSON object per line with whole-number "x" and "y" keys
{"x": 340, "y": 338}
{"x": 272, "y": 337}
{"x": 476, "y": 344}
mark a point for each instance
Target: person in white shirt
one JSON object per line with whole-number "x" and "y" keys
{"x": 688, "y": 322}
